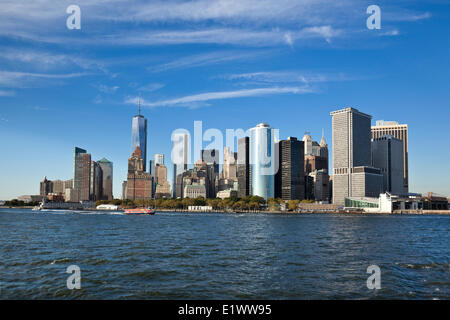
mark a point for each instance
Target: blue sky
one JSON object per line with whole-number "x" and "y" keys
{"x": 230, "y": 64}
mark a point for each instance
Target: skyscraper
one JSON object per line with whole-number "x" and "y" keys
{"x": 289, "y": 179}
{"x": 387, "y": 154}
{"x": 46, "y": 187}
{"x": 139, "y": 134}
{"x": 211, "y": 158}
{"x": 107, "y": 178}
{"x": 139, "y": 182}
{"x": 353, "y": 175}
{"x": 263, "y": 162}
{"x": 159, "y": 158}
{"x": 399, "y": 131}
{"x": 96, "y": 182}
{"x": 243, "y": 167}
{"x": 81, "y": 175}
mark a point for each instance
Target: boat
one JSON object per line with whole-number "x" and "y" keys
{"x": 144, "y": 211}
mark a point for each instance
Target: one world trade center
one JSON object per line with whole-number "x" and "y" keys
{"x": 139, "y": 134}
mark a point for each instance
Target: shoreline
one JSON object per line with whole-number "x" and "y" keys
{"x": 343, "y": 212}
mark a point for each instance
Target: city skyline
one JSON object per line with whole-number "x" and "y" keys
{"x": 79, "y": 89}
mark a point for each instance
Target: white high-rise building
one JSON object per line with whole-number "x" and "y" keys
{"x": 263, "y": 160}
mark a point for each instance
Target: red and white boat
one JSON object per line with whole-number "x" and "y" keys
{"x": 147, "y": 211}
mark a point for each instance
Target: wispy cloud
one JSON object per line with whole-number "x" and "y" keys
{"x": 220, "y": 95}
{"x": 24, "y": 79}
{"x": 150, "y": 87}
{"x": 174, "y": 22}
{"x": 285, "y": 77}
{"x": 206, "y": 59}
{"x": 106, "y": 89}
{"x": 4, "y": 93}
{"x": 41, "y": 59}
{"x": 229, "y": 36}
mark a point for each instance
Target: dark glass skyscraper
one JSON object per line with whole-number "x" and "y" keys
{"x": 289, "y": 179}
{"x": 139, "y": 135}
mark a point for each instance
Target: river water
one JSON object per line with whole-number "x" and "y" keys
{"x": 222, "y": 256}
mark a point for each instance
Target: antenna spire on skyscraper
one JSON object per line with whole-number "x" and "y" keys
{"x": 139, "y": 104}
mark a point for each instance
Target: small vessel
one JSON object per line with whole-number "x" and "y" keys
{"x": 37, "y": 208}
{"x": 145, "y": 211}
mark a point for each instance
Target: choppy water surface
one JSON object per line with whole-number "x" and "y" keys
{"x": 222, "y": 256}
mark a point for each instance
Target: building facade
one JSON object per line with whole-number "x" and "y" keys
{"x": 263, "y": 161}
{"x": 351, "y": 153}
{"x": 82, "y": 175}
{"x": 289, "y": 179}
{"x": 139, "y": 135}
{"x": 243, "y": 167}
{"x": 107, "y": 178}
{"x": 139, "y": 182}
{"x": 212, "y": 160}
{"x": 387, "y": 155}
{"x": 399, "y": 131}
{"x": 46, "y": 187}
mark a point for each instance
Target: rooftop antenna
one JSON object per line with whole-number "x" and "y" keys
{"x": 139, "y": 104}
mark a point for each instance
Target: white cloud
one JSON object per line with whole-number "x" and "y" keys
{"x": 220, "y": 95}
{"x": 4, "y": 93}
{"x": 151, "y": 87}
{"x": 284, "y": 77}
{"x": 107, "y": 89}
{"x": 23, "y": 79}
{"x": 205, "y": 59}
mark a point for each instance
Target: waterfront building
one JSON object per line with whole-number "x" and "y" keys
{"x": 212, "y": 160}
{"x": 82, "y": 174}
{"x": 194, "y": 191}
{"x": 96, "y": 180}
{"x": 68, "y": 184}
{"x": 399, "y": 131}
{"x": 107, "y": 178}
{"x": 46, "y": 187}
{"x": 263, "y": 161}
{"x": 58, "y": 186}
{"x": 353, "y": 175}
{"x": 71, "y": 195}
{"x": 387, "y": 155}
{"x": 139, "y": 182}
{"x": 289, "y": 179}
{"x": 229, "y": 167}
{"x": 30, "y": 198}
{"x": 435, "y": 202}
{"x": 243, "y": 167}
{"x": 139, "y": 135}
{"x": 316, "y": 155}
{"x": 162, "y": 189}
{"x": 320, "y": 185}
{"x": 230, "y": 193}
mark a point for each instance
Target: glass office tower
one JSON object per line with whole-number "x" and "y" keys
{"x": 139, "y": 135}
{"x": 263, "y": 162}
